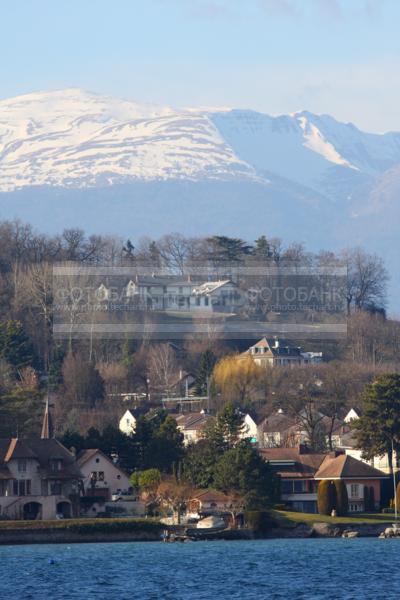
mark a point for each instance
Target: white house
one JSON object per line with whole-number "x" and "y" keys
{"x": 273, "y": 353}
{"x": 250, "y": 428}
{"x": 127, "y": 423}
{"x": 173, "y": 294}
{"x": 351, "y": 415}
{"x": 101, "y": 476}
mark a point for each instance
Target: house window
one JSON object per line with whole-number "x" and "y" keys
{"x": 206, "y": 301}
{"x": 286, "y": 487}
{"x": 354, "y": 490}
{"x": 21, "y": 487}
{"x": 55, "y": 488}
{"x": 299, "y": 486}
{"x": 21, "y": 465}
{"x": 101, "y": 476}
{"x": 56, "y": 464}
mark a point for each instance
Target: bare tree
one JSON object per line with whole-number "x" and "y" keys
{"x": 367, "y": 280}
{"x": 163, "y": 368}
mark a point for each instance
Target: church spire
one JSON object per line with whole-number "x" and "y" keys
{"x": 47, "y": 426}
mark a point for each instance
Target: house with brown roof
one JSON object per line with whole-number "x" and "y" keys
{"x": 363, "y": 482}
{"x": 275, "y": 353}
{"x": 296, "y": 468}
{"x": 39, "y": 479}
{"x": 300, "y": 470}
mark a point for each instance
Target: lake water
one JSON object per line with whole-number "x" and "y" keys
{"x": 269, "y": 569}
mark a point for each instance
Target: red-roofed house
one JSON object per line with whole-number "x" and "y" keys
{"x": 301, "y": 469}
{"x": 362, "y": 480}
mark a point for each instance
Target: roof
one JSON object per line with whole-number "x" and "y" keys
{"x": 347, "y": 440}
{"x": 47, "y": 425}
{"x": 209, "y": 287}
{"x": 85, "y": 455}
{"x": 18, "y": 449}
{"x": 212, "y": 496}
{"x": 43, "y": 451}
{"x": 346, "y": 467}
{"x": 263, "y": 343}
{"x": 278, "y": 422}
{"x": 297, "y": 462}
{"x": 197, "y": 420}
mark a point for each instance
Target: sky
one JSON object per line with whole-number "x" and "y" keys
{"x": 340, "y": 57}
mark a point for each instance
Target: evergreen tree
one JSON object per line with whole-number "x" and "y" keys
{"x": 225, "y": 432}
{"x": 242, "y": 470}
{"x": 15, "y": 346}
{"x": 203, "y": 374}
{"x": 199, "y": 463}
{"x": 342, "y": 499}
{"x": 377, "y": 431}
{"x": 262, "y": 248}
{"x": 166, "y": 447}
{"x": 326, "y": 497}
{"x": 226, "y": 249}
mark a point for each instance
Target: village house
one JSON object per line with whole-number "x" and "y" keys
{"x": 212, "y": 502}
{"x": 168, "y": 293}
{"x": 106, "y": 487}
{"x": 296, "y": 468}
{"x": 300, "y": 470}
{"x": 39, "y": 477}
{"x": 279, "y": 430}
{"x": 282, "y": 430}
{"x": 346, "y": 441}
{"x": 101, "y": 476}
{"x": 127, "y": 423}
{"x": 274, "y": 353}
{"x": 252, "y": 428}
{"x": 363, "y": 482}
{"x": 192, "y": 425}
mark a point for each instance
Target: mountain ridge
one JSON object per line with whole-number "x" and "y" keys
{"x": 72, "y": 157}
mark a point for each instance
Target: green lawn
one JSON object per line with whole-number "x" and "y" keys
{"x": 288, "y": 518}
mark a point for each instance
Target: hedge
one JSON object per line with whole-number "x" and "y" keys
{"x": 87, "y": 525}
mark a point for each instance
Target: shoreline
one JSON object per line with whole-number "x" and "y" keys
{"x": 80, "y": 535}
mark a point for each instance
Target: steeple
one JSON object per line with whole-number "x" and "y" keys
{"x": 47, "y": 426}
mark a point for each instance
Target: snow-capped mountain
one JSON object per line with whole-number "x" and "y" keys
{"x": 72, "y": 138}
{"x": 72, "y": 158}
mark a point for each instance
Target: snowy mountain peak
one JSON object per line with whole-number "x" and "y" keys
{"x": 75, "y": 138}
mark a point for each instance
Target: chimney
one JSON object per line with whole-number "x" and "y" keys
{"x": 276, "y": 343}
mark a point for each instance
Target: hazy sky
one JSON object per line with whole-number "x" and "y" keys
{"x": 334, "y": 56}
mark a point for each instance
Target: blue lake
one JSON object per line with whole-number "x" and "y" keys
{"x": 272, "y": 569}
